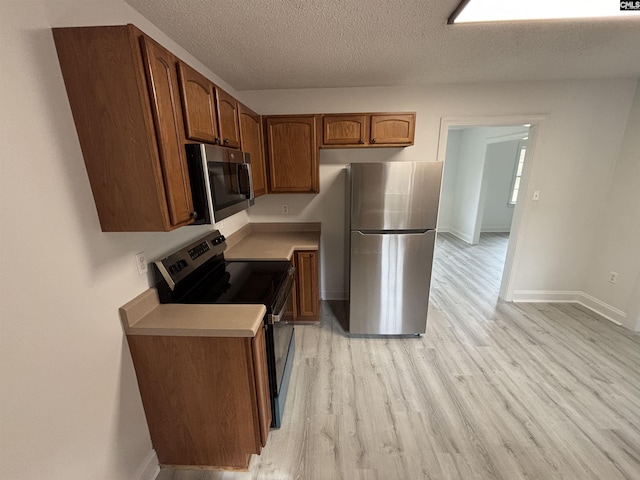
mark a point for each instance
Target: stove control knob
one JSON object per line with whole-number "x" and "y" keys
{"x": 182, "y": 264}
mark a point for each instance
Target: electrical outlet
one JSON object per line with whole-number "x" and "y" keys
{"x": 285, "y": 209}
{"x": 141, "y": 263}
{"x": 613, "y": 277}
{"x": 536, "y": 195}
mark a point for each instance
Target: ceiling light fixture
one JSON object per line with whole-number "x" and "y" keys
{"x": 510, "y": 10}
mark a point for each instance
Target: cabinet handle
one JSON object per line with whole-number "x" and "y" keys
{"x": 225, "y": 141}
{"x": 216, "y": 141}
{"x": 373, "y": 140}
{"x": 361, "y": 141}
{"x": 193, "y": 215}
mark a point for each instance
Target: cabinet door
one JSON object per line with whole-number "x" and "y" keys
{"x": 198, "y": 105}
{"x": 262, "y": 384}
{"x": 393, "y": 129}
{"x": 160, "y": 66}
{"x": 344, "y": 130}
{"x": 307, "y": 295}
{"x": 251, "y": 142}
{"x": 199, "y": 398}
{"x": 292, "y": 154}
{"x": 228, "y": 119}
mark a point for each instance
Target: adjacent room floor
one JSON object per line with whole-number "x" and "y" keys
{"x": 493, "y": 390}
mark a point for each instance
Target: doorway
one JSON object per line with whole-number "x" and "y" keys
{"x": 487, "y": 162}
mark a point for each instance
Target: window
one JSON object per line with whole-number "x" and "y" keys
{"x": 517, "y": 173}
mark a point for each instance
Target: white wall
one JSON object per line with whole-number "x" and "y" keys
{"x": 497, "y": 181}
{"x": 449, "y": 178}
{"x": 471, "y": 158}
{"x": 577, "y": 147}
{"x": 617, "y": 231}
{"x": 70, "y": 406}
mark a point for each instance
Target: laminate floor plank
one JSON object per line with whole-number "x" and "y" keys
{"x": 492, "y": 391}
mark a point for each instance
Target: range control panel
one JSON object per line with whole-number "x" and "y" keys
{"x": 199, "y": 250}
{"x": 178, "y": 265}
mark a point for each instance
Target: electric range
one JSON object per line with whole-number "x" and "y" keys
{"x": 199, "y": 274}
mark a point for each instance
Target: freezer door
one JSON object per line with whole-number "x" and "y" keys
{"x": 389, "y": 282}
{"x": 395, "y": 196}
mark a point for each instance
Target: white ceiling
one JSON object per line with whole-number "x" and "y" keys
{"x": 338, "y": 43}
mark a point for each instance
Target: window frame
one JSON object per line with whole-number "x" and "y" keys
{"x": 521, "y": 155}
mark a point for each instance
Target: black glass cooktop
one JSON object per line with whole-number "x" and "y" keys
{"x": 238, "y": 282}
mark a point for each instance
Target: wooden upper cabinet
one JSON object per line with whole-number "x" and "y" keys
{"x": 397, "y": 129}
{"x": 292, "y": 153}
{"x": 228, "y": 119}
{"x": 124, "y": 96}
{"x": 198, "y": 105}
{"x": 344, "y": 129}
{"x": 167, "y": 115}
{"x": 368, "y": 130}
{"x": 251, "y": 142}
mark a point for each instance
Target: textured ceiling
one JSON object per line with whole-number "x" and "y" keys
{"x": 337, "y": 43}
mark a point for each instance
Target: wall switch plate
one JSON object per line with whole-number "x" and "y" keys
{"x": 613, "y": 277}
{"x": 536, "y": 195}
{"x": 141, "y": 263}
{"x": 285, "y": 209}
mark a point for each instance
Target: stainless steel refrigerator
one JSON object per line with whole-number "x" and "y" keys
{"x": 393, "y": 215}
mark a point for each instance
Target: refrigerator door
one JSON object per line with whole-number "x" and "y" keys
{"x": 395, "y": 196}
{"x": 389, "y": 282}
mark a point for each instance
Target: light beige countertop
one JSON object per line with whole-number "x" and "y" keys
{"x": 272, "y": 241}
{"x": 145, "y": 315}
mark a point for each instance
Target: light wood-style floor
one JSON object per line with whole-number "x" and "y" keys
{"x": 493, "y": 391}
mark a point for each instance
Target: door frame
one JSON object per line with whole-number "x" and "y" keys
{"x": 483, "y": 191}
{"x": 522, "y": 208}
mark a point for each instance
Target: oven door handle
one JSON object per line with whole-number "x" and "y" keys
{"x": 289, "y": 285}
{"x": 276, "y": 317}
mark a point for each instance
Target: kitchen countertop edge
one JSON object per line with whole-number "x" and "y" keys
{"x": 145, "y": 315}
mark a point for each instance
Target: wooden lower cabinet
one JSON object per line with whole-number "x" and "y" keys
{"x": 206, "y": 399}
{"x": 307, "y": 288}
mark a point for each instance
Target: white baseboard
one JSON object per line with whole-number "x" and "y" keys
{"x": 553, "y": 296}
{"x": 462, "y": 236}
{"x": 506, "y": 229}
{"x": 149, "y": 468}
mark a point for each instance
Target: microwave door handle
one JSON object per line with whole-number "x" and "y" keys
{"x": 244, "y": 178}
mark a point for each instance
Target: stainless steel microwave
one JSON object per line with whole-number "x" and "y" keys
{"x": 221, "y": 183}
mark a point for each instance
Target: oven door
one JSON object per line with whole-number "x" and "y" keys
{"x": 282, "y": 331}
